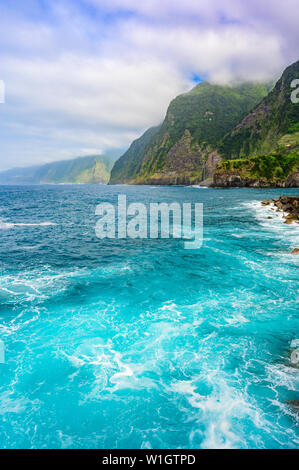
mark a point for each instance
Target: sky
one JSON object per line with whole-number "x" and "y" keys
{"x": 85, "y": 76}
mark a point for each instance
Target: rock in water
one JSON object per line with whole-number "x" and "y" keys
{"x": 293, "y": 403}
{"x": 289, "y": 205}
{"x": 295, "y": 251}
{"x": 295, "y": 357}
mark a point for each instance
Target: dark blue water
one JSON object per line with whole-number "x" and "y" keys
{"x": 141, "y": 343}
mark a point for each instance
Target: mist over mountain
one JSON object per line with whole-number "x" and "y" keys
{"x": 194, "y": 125}
{"x": 262, "y": 128}
{"x": 263, "y": 149}
{"x": 209, "y": 126}
{"x": 82, "y": 170}
{"x": 243, "y": 134}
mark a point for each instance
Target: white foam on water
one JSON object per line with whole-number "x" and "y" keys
{"x": 287, "y": 377}
{"x": 110, "y": 371}
{"x": 236, "y": 319}
{"x": 45, "y": 283}
{"x": 28, "y": 247}
{"x": 125, "y": 371}
{"x": 295, "y": 343}
{"x": 281, "y": 375}
{"x": 9, "y": 225}
{"x": 41, "y": 224}
{"x": 171, "y": 307}
{"x": 66, "y": 440}
{"x": 216, "y": 411}
{"x": 275, "y": 225}
{"x": 10, "y": 404}
{"x": 197, "y": 186}
{"x": 239, "y": 235}
{"x": 146, "y": 445}
{"x": 263, "y": 212}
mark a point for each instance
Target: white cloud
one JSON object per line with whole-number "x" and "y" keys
{"x": 231, "y": 53}
{"x": 109, "y": 92}
{"x": 77, "y": 81}
{"x": 86, "y": 102}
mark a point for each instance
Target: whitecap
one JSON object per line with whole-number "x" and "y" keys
{"x": 295, "y": 343}
{"x": 198, "y": 187}
{"x": 8, "y": 225}
{"x": 276, "y": 224}
{"x": 217, "y": 410}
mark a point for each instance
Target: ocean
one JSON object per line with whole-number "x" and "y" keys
{"x": 142, "y": 343}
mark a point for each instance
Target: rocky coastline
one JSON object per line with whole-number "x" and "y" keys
{"x": 289, "y": 205}
{"x": 231, "y": 179}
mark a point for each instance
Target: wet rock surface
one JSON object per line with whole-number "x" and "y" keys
{"x": 233, "y": 179}
{"x": 294, "y": 404}
{"x": 289, "y": 205}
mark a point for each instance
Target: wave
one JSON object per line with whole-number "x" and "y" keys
{"x": 7, "y": 225}
{"x": 198, "y": 187}
{"x": 275, "y": 224}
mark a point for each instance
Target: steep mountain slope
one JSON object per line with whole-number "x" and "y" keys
{"x": 128, "y": 165}
{"x": 262, "y": 128}
{"x": 263, "y": 149}
{"x": 90, "y": 169}
{"x": 263, "y": 171}
{"x": 184, "y": 149}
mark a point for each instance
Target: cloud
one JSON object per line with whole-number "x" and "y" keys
{"x": 112, "y": 93}
{"x": 209, "y": 53}
{"x": 85, "y": 101}
{"x": 94, "y": 74}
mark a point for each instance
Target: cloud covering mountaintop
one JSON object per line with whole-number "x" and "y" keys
{"x": 83, "y": 76}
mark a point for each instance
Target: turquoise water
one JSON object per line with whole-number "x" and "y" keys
{"x": 140, "y": 343}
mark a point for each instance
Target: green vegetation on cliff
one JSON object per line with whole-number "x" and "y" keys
{"x": 211, "y": 123}
{"x": 195, "y": 123}
{"x": 128, "y": 165}
{"x": 82, "y": 170}
{"x": 278, "y": 168}
{"x": 208, "y": 112}
{"x": 271, "y": 168}
{"x": 260, "y": 132}
{"x": 205, "y": 114}
{"x": 263, "y": 149}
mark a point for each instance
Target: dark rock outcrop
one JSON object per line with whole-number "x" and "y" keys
{"x": 293, "y": 181}
{"x": 213, "y": 159}
{"x": 294, "y": 404}
{"x": 185, "y": 146}
{"x": 234, "y": 179}
{"x": 261, "y": 130}
{"x": 289, "y": 205}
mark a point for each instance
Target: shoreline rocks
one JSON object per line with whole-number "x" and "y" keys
{"x": 289, "y": 205}
{"x": 295, "y": 357}
{"x": 234, "y": 179}
{"x": 294, "y": 404}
